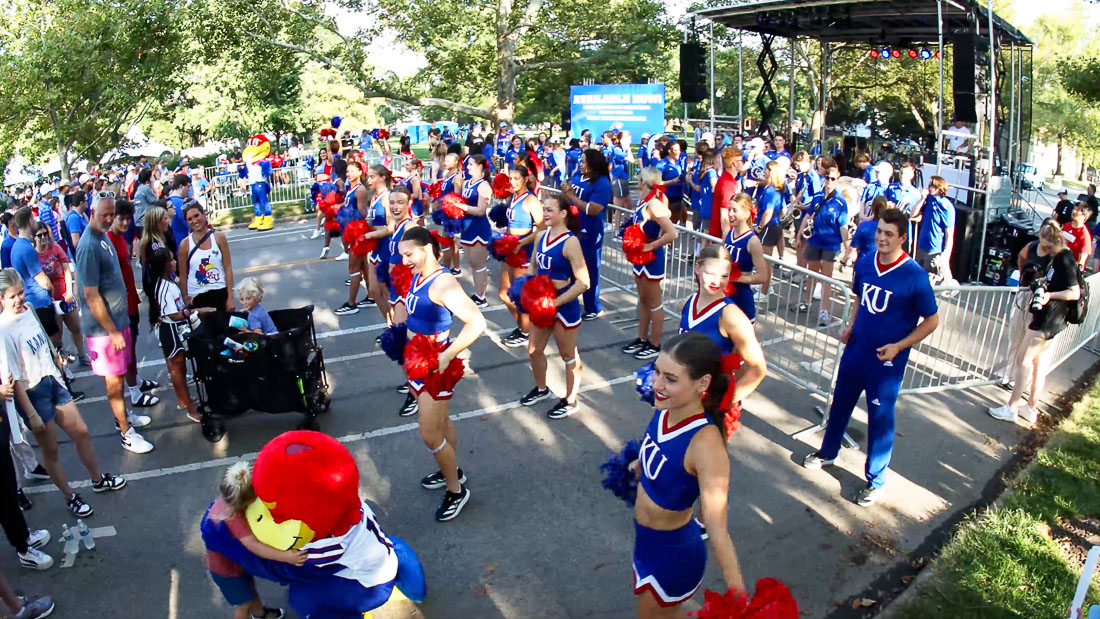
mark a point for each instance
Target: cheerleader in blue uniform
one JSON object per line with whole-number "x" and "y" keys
{"x": 434, "y": 297}
{"x": 558, "y": 254}
{"x": 683, "y": 459}
{"x": 400, "y": 220}
{"x": 355, "y": 208}
{"x": 656, "y": 220}
{"x": 477, "y": 232}
{"x": 414, "y": 167}
{"x": 452, "y": 183}
{"x": 746, "y": 252}
{"x": 524, "y": 221}
{"x": 380, "y": 182}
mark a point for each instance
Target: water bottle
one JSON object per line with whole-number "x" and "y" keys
{"x": 85, "y": 535}
{"x": 68, "y": 538}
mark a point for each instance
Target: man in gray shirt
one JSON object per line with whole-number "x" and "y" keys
{"x": 105, "y": 322}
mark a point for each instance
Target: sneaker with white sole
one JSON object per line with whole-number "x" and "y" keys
{"x": 534, "y": 395}
{"x": 132, "y": 441}
{"x": 649, "y": 351}
{"x": 410, "y": 407}
{"x": 436, "y": 480}
{"x": 346, "y": 309}
{"x": 516, "y": 339}
{"x": 1028, "y": 414}
{"x": 403, "y": 388}
{"x": 366, "y": 302}
{"x": 634, "y": 346}
{"x": 78, "y": 506}
{"x": 1003, "y": 412}
{"x": 481, "y": 302}
{"x": 35, "y": 609}
{"x": 868, "y": 496}
{"x": 270, "y": 613}
{"x": 452, "y": 504}
{"x": 38, "y": 538}
{"x": 324, "y": 253}
{"x": 814, "y": 461}
{"x": 588, "y": 316}
{"x": 316, "y": 234}
{"x": 135, "y": 420}
{"x": 35, "y": 559}
{"x": 563, "y": 409}
{"x": 802, "y": 308}
{"x": 108, "y": 482}
{"x": 343, "y": 256}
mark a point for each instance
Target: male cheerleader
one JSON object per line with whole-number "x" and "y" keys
{"x": 897, "y": 310}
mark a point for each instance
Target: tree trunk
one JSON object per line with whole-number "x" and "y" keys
{"x": 1084, "y": 166}
{"x": 1058, "y": 161}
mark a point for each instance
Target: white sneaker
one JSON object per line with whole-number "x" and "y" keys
{"x": 132, "y": 441}
{"x": 1004, "y": 413}
{"x": 324, "y": 253}
{"x": 35, "y": 559}
{"x": 343, "y": 256}
{"x": 38, "y": 538}
{"x": 1029, "y": 414}
{"x": 316, "y": 234}
{"x": 136, "y": 420}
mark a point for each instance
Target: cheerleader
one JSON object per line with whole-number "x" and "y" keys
{"x": 683, "y": 459}
{"x": 477, "y": 232}
{"x": 354, "y": 209}
{"x": 558, "y": 254}
{"x": 590, "y": 190}
{"x": 524, "y": 220}
{"x": 380, "y": 183}
{"x": 746, "y": 252}
{"x": 709, "y": 312}
{"x": 401, "y": 219}
{"x": 452, "y": 183}
{"x": 414, "y": 168}
{"x": 433, "y": 299}
{"x": 653, "y": 214}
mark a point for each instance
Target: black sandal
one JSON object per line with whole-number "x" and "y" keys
{"x": 147, "y": 385}
{"x": 146, "y": 400}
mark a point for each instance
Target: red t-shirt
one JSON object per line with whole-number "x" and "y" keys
{"x": 53, "y": 265}
{"x": 127, "y": 271}
{"x": 238, "y": 528}
{"x": 1081, "y": 244}
{"x": 724, "y": 189}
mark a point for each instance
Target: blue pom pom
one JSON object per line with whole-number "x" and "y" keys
{"x": 499, "y": 215}
{"x": 618, "y": 478}
{"x": 336, "y": 120}
{"x": 438, "y": 217}
{"x": 643, "y": 382}
{"x": 516, "y": 290}
{"x": 394, "y": 338}
{"x": 453, "y": 227}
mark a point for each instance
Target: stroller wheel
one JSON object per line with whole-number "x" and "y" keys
{"x": 212, "y": 429}
{"x": 309, "y": 423}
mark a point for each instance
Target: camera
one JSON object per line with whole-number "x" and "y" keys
{"x": 1036, "y": 283}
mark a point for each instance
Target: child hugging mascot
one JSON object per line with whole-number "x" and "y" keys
{"x": 313, "y": 531}
{"x": 256, "y": 170}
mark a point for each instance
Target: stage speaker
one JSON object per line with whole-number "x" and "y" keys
{"x": 963, "y": 64}
{"x": 693, "y": 72}
{"x": 566, "y": 119}
{"x": 968, "y": 239}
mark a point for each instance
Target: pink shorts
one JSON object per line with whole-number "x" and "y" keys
{"x": 106, "y": 361}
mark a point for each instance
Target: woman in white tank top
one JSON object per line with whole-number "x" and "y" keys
{"x": 206, "y": 269}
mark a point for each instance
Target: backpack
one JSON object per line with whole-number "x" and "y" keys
{"x": 1079, "y": 309}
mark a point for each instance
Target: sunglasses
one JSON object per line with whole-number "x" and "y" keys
{"x": 42, "y": 235}
{"x": 105, "y": 194}
{"x": 832, "y": 178}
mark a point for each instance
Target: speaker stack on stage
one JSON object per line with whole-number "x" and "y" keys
{"x": 693, "y": 72}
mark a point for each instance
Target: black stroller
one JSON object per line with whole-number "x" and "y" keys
{"x": 279, "y": 373}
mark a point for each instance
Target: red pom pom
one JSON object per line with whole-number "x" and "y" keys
{"x": 502, "y": 186}
{"x": 439, "y": 382}
{"x": 331, "y": 225}
{"x": 732, "y": 419}
{"x": 363, "y": 246}
{"x": 383, "y": 134}
{"x": 506, "y": 246}
{"x": 435, "y": 190}
{"x": 537, "y": 300}
{"x": 773, "y": 600}
{"x": 421, "y": 357}
{"x": 354, "y": 237}
{"x": 634, "y": 239}
{"x": 444, "y": 241}
{"x": 354, "y": 230}
{"x": 328, "y": 132}
{"x": 401, "y": 279}
{"x": 454, "y": 206}
{"x": 731, "y": 287}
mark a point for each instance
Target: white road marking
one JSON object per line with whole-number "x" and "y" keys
{"x": 348, "y": 438}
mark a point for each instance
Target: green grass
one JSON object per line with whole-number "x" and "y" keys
{"x": 1003, "y": 562}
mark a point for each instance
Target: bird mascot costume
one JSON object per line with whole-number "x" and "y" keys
{"x": 256, "y": 170}
{"x": 307, "y": 489}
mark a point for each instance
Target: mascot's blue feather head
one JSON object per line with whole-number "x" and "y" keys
{"x": 336, "y": 120}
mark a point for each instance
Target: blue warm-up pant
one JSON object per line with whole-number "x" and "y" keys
{"x": 261, "y": 205}
{"x": 861, "y": 371}
{"x": 593, "y": 253}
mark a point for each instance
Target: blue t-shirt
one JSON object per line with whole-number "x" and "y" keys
{"x": 864, "y": 238}
{"x": 258, "y": 318}
{"x": 829, "y": 218}
{"x": 596, "y": 190}
{"x": 906, "y": 197}
{"x": 25, "y": 260}
{"x": 892, "y": 300}
{"x": 180, "y": 229}
{"x": 199, "y": 186}
{"x": 76, "y": 223}
{"x": 573, "y": 162}
{"x": 869, "y": 175}
{"x": 770, "y": 198}
{"x": 510, "y": 158}
{"x": 616, "y": 156}
{"x": 872, "y": 191}
{"x": 5, "y": 250}
{"x": 705, "y": 199}
{"x": 939, "y": 221}
{"x": 671, "y": 170}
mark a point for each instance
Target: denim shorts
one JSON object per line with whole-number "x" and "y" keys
{"x": 46, "y": 396}
{"x": 236, "y": 590}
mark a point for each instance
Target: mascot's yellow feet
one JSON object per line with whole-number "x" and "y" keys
{"x": 266, "y": 223}
{"x": 255, "y": 222}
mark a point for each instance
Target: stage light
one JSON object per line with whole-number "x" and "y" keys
{"x": 895, "y": 53}
{"x": 925, "y": 54}
{"x": 886, "y": 52}
{"x": 912, "y": 53}
{"x": 874, "y": 53}
{"x": 937, "y": 55}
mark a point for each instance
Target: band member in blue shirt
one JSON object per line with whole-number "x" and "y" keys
{"x": 590, "y": 191}
{"x": 907, "y": 197}
{"x": 937, "y": 234}
{"x": 897, "y": 309}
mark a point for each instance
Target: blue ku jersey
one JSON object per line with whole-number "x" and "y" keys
{"x": 426, "y": 316}
{"x": 661, "y": 460}
{"x": 738, "y": 247}
{"x": 550, "y": 257}
{"x": 706, "y": 320}
{"x": 892, "y": 300}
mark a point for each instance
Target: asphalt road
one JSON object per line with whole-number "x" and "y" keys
{"x": 540, "y": 537}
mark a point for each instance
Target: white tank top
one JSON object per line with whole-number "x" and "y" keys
{"x": 205, "y": 271}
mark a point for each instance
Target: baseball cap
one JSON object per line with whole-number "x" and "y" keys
{"x": 1063, "y": 192}
{"x": 84, "y": 178}
{"x": 756, "y": 143}
{"x": 555, "y": 140}
{"x": 707, "y": 137}
{"x": 503, "y": 124}
{"x": 884, "y": 166}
